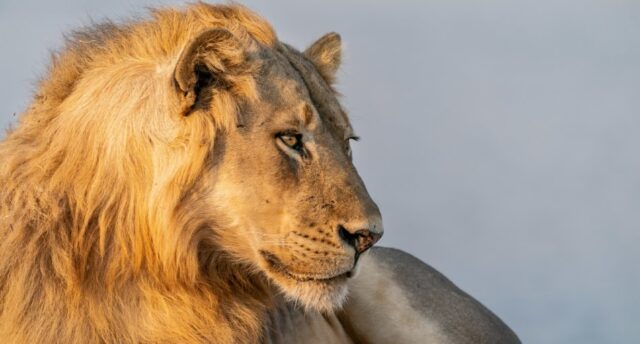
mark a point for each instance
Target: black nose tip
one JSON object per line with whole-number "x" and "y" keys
{"x": 361, "y": 239}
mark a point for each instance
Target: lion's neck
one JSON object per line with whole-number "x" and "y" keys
{"x": 228, "y": 306}
{"x": 288, "y": 323}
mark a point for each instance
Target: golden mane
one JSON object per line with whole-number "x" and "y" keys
{"x": 94, "y": 188}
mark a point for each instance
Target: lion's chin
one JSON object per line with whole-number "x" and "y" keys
{"x": 325, "y": 294}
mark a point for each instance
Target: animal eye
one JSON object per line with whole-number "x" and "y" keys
{"x": 291, "y": 140}
{"x": 348, "y": 144}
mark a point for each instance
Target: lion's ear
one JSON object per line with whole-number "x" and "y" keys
{"x": 326, "y": 55}
{"x": 206, "y": 60}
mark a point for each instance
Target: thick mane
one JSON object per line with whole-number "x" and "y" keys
{"x": 97, "y": 177}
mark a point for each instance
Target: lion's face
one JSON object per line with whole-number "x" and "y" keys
{"x": 283, "y": 188}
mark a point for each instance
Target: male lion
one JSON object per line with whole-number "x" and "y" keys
{"x": 187, "y": 178}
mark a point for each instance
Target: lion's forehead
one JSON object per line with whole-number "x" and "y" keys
{"x": 287, "y": 80}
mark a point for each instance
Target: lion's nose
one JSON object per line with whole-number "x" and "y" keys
{"x": 361, "y": 239}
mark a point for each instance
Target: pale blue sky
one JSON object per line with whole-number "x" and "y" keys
{"x": 500, "y": 139}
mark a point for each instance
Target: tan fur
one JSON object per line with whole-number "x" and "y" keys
{"x": 326, "y": 54}
{"x": 136, "y": 211}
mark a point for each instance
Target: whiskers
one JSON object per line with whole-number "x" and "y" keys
{"x": 300, "y": 248}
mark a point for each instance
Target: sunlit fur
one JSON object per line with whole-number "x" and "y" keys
{"x": 115, "y": 223}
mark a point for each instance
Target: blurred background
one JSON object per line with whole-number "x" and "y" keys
{"x": 500, "y": 139}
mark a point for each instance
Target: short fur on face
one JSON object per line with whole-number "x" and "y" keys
{"x": 150, "y": 194}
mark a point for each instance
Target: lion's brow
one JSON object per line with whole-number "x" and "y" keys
{"x": 289, "y": 55}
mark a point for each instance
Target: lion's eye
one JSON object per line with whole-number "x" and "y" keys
{"x": 291, "y": 140}
{"x": 348, "y": 144}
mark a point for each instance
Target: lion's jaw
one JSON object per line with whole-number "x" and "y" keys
{"x": 321, "y": 292}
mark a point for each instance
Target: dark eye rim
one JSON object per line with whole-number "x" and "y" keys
{"x": 297, "y": 146}
{"x": 348, "y": 144}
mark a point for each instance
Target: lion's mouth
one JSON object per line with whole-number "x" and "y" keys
{"x": 277, "y": 266}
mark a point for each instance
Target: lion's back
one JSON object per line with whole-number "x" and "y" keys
{"x": 411, "y": 302}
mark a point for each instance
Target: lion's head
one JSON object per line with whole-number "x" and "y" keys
{"x": 165, "y": 147}
{"x": 281, "y": 187}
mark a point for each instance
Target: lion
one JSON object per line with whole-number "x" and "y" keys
{"x": 187, "y": 178}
